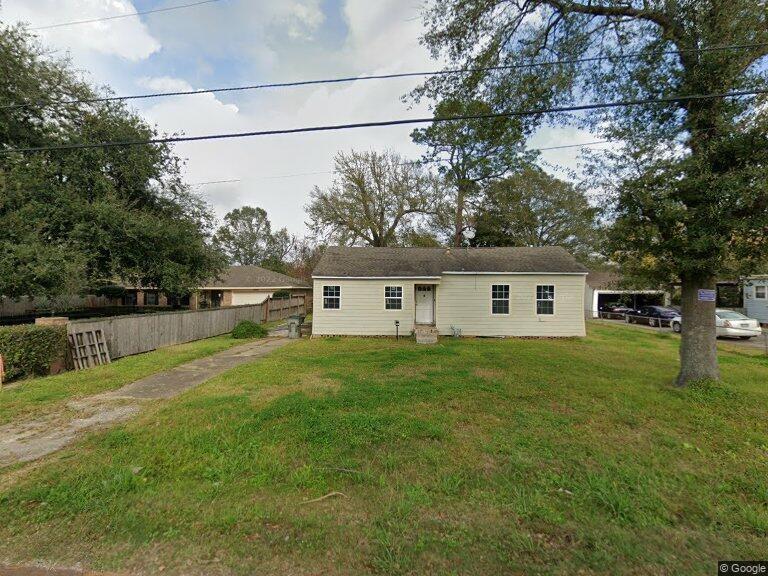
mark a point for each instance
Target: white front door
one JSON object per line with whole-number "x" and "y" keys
{"x": 425, "y": 305}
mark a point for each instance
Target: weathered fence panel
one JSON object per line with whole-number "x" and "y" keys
{"x": 281, "y": 308}
{"x": 127, "y": 335}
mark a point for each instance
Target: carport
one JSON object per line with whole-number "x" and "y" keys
{"x": 605, "y": 289}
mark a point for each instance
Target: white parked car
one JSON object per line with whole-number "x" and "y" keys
{"x": 729, "y": 323}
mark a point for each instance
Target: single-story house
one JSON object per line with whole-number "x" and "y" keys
{"x": 756, "y": 297}
{"x": 240, "y": 285}
{"x": 448, "y": 291}
{"x": 606, "y": 289}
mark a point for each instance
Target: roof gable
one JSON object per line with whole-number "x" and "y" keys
{"x": 369, "y": 262}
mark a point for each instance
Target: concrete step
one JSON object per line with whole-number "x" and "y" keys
{"x": 426, "y": 335}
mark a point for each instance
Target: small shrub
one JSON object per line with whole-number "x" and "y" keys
{"x": 29, "y": 350}
{"x": 248, "y": 329}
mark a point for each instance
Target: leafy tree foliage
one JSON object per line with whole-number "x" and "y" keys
{"x": 689, "y": 177}
{"x": 72, "y": 221}
{"x": 375, "y": 198}
{"x": 532, "y": 208}
{"x": 468, "y": 153}
{"x": 246, "y": 238}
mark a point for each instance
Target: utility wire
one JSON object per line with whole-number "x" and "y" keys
{"x": 299, "y": 174}
{"x": 368, "y": 77}
{"x": 215, "y": 182}
{"x": 399, "y": 122}
{"x": 134, "y": 14}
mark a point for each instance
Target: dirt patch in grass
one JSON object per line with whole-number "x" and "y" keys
{"x": 313, "y": 384}
{"x": 489, "y": 373}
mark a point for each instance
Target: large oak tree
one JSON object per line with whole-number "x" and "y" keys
{"x": 689, "y": 176}
{"x": 76, "y": 220}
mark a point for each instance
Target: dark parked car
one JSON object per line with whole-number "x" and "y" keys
{"x": 651, "y": 315}
{"x": 614, "y": 311}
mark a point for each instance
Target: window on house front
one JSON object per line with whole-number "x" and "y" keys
{"x": 760, "y": 292}
{"x": 393, "y": 297}
{"x": 331, "y": 297}
{"x": 151, "y": 299}
{"x": 500, "y": 299}
{"x": 545, "y": 299}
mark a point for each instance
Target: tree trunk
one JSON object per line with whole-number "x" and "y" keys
{"x": 698, "y": 348}
{"x": 458, "y": 224}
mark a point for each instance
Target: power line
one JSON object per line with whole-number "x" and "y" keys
{"x": 132, "y": 15}
{"x": 316, "y": 173}
{"x": 215, "y": 182}
{"x": 398, "y": 122}
{"x": 348, "y": 79}
{"x": 299, "y": 174}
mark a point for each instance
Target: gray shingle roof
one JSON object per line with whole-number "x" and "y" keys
{"x": 253, "y": 277}
{"x": 604, "y": 280}
{"x": 390, "y": 262}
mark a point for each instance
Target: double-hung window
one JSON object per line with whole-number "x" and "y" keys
{"x": 393, "y": 297}
{"x": 545, "y": 299}
{"x": 331, "y": 297}
{"x": 760, "y": 292}
{"x": 500, "y": 299}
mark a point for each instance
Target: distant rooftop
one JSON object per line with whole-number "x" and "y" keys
{"x": 254, "y": 277}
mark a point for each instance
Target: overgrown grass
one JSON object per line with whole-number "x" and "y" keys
{"x": 27, "y": 398}
{"x": 469, "y": 457}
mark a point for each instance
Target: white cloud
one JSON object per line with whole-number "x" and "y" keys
{"x": 126, "y": 38}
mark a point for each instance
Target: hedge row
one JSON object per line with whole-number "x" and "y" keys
{"x": 29, "y": 350}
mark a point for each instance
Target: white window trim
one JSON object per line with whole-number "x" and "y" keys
{"x": 536, "y": 301}
{"x": 765, "y": 293}
{"x": 509, "y": 300}
{"x": 323, "y": 296}
{"x": 401, "y": 297}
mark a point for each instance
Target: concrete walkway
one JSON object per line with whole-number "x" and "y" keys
{"x": 32, "y": 439}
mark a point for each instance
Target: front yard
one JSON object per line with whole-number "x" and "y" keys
{"x": 471, "y": 457}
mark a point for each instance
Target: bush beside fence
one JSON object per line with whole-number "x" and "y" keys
{"x": 31, "y": 350}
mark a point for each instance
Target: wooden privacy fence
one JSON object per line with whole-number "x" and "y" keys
{"x": 127, "y": 335}
{"x": 281, "y": 308}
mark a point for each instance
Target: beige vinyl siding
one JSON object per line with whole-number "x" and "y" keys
{"x": 362, "y": 311}
{"x": 464, "y": 301}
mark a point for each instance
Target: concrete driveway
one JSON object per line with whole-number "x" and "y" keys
{"x": 759, "y": 343}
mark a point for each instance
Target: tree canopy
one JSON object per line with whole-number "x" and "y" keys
{"x": 72, "y": 221}
{"x": 532, "y": 208}
{"x": 467, "y": 154}
{"x": 375, "y": 199}
{"x": 246, "y": 238}
{"x": 688, "y": 178}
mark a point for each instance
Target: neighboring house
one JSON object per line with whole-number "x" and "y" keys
{"x": 240, "y": 285}
{"x": 756, "y": 297}
{"x": 471, "y": 291}
{"x": 606, "y": 289}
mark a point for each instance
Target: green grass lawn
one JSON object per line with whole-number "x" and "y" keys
{"x": 469, "y": 457}
{"x": 28, "y": 398}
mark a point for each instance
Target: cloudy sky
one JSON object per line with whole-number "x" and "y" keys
{"x": 237, "y": 42}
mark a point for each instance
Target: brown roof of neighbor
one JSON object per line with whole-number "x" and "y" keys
{"x": 391, "y": 262}
{"x": 253, "y": 277}
{"x": 603, "y": 280}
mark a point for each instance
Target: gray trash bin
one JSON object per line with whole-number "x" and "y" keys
{"x": 294, "y": 326}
